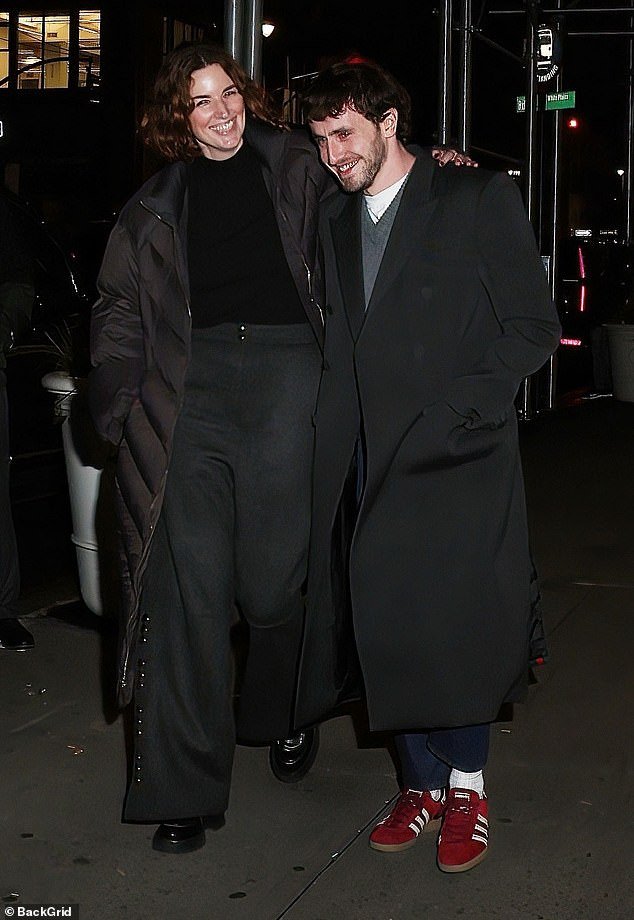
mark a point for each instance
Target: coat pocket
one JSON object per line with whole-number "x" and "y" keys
{"x": 476, "y": 441}
{"x": 427, "y": 443}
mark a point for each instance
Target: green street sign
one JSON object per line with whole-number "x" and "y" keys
{"x": 565, "y": 100}
{"x": 561, "y": 100}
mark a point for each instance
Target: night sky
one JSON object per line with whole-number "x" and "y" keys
{"x": 405, "y": 39}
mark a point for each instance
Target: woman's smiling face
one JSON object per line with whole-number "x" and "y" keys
{"x": 218, "y": 118}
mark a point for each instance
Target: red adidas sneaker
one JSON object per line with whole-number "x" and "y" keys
{"x": 465, "y": 831}
{"x": 414, "y": 812}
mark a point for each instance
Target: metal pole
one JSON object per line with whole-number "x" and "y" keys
{"x": 444, "y": 80}
{"x": 630, "y": 141}
{"x": 548, "y": 12}
{"x": 233, "y": 28}
{"x": 551, "y": 367}
{"x": 554, "y": 246}
{"x": 464, "y": 127}
{"x": 253, "y": 39}
{"x": 530, "y": 196}
{"x": 531, "y": 123}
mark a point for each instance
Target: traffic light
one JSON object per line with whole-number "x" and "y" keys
{"x": 573, "y": 122}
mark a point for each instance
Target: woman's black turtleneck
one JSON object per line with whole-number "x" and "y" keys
{"x": 237, "y": 268}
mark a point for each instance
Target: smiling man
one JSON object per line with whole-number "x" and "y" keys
{"x": 437, "y": 307}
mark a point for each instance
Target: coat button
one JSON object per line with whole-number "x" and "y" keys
{"x": 329, "y": 309}
{"x": 325, "y": 366}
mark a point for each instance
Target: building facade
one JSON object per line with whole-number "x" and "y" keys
{"x": 73, "y": 82}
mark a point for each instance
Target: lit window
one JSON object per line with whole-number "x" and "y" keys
{"x": 89, "y": 48}
{"x": 54, "y": 50}
{"x": 43, "y": 51}
{"x": 4, "y": 50}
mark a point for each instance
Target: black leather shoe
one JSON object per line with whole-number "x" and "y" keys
{"x": 292, "y": 758}
{"x": 181, "y": 836}
{"x": 14, "y": 636}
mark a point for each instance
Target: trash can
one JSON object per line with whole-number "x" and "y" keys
{"x": 621, "y": 349}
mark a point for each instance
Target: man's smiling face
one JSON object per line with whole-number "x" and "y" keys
{"x": 353, "y": 148}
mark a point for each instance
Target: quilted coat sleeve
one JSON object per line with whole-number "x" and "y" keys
{"x": 513, "y": 275}
{"x": 116, "y": 338}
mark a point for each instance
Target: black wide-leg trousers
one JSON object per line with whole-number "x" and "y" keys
{"x": 233, "y": 533}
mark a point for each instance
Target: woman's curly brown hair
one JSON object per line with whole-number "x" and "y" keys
{"x": 165, "y": 124}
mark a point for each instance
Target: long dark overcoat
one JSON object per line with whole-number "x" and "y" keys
{"x": 141, "y": 330}
{"x": 439, "y": 569}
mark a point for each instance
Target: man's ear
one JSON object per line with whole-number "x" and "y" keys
{"x": 389, "y": 121}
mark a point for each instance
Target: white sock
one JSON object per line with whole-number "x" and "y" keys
{"x": 472, "y": 781}
{"x": 436, "y": 794}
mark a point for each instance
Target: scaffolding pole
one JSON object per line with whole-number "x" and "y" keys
{"x": 233, "y": 28}
{"x": 630, "y": 139}
{"x": 253, "y": 39}
{"x": 464, "y": 115}
{"x": 444, "y": 72}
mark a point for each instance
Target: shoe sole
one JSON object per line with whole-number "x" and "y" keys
{"x": 397, "y": 847}
{"x": 183, "y": 846}
{"x": 286, "y": 773}
{"x": 464, "y": 867}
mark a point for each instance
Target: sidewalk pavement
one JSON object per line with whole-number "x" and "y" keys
{"x": 559, "y": 779}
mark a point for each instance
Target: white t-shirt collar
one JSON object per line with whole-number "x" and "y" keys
{"x": 378, "y": 204}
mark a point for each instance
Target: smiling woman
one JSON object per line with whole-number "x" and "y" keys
{"x": 206, "y": 346}
{"x": 218, "y": 116}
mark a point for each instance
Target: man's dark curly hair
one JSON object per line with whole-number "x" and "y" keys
{"x": 363, "y": 86}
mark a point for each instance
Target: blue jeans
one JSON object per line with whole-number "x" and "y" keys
{"x": 428, "y": 757}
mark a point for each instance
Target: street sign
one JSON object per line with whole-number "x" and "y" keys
{"x": 565, "y": 100}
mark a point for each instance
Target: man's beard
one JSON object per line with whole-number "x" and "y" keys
{"x": 366, "y": 171}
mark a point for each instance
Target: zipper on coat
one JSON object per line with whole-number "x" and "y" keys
{"x": 308, "y": 273}
{"x": 178, "y": 274}
{"x": 123, "y": 681}
{"x": 310, "y": 292}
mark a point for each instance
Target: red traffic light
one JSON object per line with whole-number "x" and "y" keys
{"x": 573, "y": 122}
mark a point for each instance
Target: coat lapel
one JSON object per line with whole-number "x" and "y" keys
{"x": 346, "y": 235}
{"x": 169, "y": 202}
{"x": 415, "y": 212}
